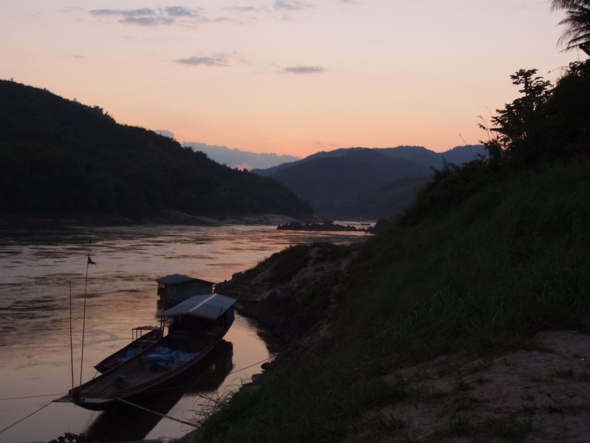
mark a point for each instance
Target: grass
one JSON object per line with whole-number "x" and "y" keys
{"x": 566, "y": 373}
{"x": 510, "y": 428}
{"x": 510, "y": 261}
{"x": 468, "y": 282}
{"x": 460, "y": 425}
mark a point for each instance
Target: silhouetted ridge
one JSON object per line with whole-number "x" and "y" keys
{"x": 59, "y": 157}
{"x": 366, "y": 183}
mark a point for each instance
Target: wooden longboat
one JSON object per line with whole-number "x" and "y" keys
{"x": 143, "y": 337}
{"x": 128, "y": 423}
{"x": 195, "y": 327}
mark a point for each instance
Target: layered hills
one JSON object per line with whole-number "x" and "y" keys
{"x": 366, "y": 183}
{"x": 61, "y": 158}
{"x": 236, "y": 158}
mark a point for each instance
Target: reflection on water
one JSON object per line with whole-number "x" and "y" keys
{"x": 42, "y": 283}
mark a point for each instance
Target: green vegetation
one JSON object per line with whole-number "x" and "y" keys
{"x": 489, "y": 255}
{"x": 61, "y": 158}
{"x": 511, "y": 429}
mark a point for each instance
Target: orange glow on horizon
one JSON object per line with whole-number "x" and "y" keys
{"x": 286, "y": 77}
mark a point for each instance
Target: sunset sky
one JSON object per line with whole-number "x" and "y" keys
{"x": 286, "y": 76}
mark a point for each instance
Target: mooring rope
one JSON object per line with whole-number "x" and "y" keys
{"x": 194, "y": 425}
{"x": 155, "y": 412}
{"x": 183, "y": 387}
{"x": 24, "y": 418}
{"x": 121, "y": 400}
{"x": 31, "y": 396}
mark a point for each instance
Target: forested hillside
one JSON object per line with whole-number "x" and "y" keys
{"x": 59, "y": 157}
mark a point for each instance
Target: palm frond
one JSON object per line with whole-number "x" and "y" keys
{"x": 577, "y": 20}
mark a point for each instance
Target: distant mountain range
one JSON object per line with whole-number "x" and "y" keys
{"x": 235, "y": 158}
{"x": 366, "y": 183}
{"x": 62, "y": 158}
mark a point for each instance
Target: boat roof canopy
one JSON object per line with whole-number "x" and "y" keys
{"x": 209, "y": 306}
{"x": 177, "y": 279}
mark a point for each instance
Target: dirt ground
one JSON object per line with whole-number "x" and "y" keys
{"x": 537, "y": 395}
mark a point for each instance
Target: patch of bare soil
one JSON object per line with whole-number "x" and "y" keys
{"x": 539, "y": 395}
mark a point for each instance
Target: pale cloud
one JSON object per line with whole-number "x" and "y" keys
{"x": 180, "y": 11}
{"x": 148, "y": 16}
{"x": 215, "y": 60}
{"x": 291, "y": 5}
{"x": 304, "y": 70}
{"x": 180, "y": 14}
{"x": 124, "y": 12}
{"x": 246, "y": 9}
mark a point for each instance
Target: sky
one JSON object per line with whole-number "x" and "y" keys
{"x": 287, "y": 76}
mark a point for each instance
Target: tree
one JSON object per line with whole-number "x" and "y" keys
{"x": 577, "y": 34}
{"x": 565, "y": 133}
{"x": 546, "y": 123}
{"x": 515, "y": 125}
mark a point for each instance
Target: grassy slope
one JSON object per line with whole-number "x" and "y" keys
{"x": 510, "y": 261}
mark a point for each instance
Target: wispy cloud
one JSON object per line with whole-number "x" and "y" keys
{"x": 246, "y": 9}
{"x": 148, "y": 16}
{"x": 291, "y": 5}
{"x": 304, "y": 70}
{"x": 215, "y": 60}
{"x": 184, "y": 15}
{"x": 180, "y": 11}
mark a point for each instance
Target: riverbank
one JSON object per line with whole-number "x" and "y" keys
{"x": 466, "y": 325}
{"x": 537, "y": 392}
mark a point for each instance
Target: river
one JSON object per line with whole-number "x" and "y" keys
{"x": 46, "y": 286}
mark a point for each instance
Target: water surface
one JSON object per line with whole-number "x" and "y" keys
{"x": 46, "y": 286}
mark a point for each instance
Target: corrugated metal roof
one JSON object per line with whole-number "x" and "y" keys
{"x": 176, "y": 279}
{"x": 209, "y": 306}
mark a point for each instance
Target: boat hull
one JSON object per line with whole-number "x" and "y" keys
{"x": 132, "y": 394}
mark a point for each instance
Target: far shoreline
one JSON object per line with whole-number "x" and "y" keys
{"x": 172, "y": 218}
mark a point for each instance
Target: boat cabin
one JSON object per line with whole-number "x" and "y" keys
{"x": 202, "y": 318}
{"x": 176, "y": 288}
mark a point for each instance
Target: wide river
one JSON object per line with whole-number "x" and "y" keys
{"x": 46, "y": 286}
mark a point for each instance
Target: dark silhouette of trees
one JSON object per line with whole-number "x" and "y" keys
{"x": 577, "y": 34}
{"x": 515, "y": 125}
{"x": 61, "y": 158}
{"x": 546, "y": 124}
